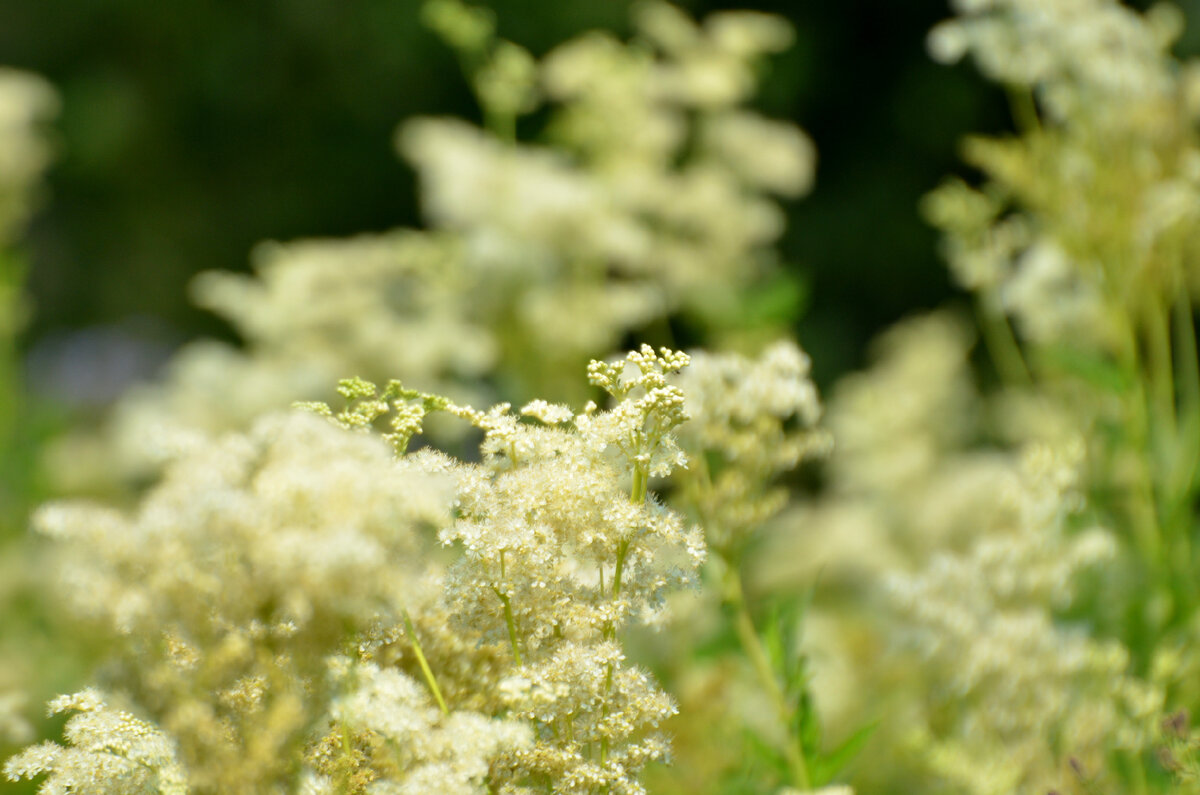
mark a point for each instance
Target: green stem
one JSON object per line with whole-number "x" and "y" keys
{"x": 416, "y": 645}
{"x": 509, "y": 619}
{"x": 637, "y": 495}
{"x": 1188, "y": 367}
{"x": 1162, "y": 376}
{"x": 608, "y": 682}
{"x": 622, "y": 553}
{"x": 735, "y": 597}
{"x": 1002, "y": 345}
{"x": 1142, "y": 507}
{"x": 1023, "y": 108}
{"x": 511, "y": 622}
{"x": 641, "y": 480}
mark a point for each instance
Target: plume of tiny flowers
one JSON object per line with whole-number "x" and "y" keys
{"x": 562, "y": 547}
{"x": 1080, "y": 229}
{"x": 387, "y": 737}
{"x": 751, "y": 421}
{"x": 1013, "y": 689}
{"x": 255, "y": 558}
{"x": 109, "y": 752}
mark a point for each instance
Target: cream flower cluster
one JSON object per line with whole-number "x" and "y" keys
{"x": 753, "y": 420}
{"x": 973, "y": 558}
{"x": 1073, "y": 51}
{"x": 254, "y": 558}
{"x": 1013, "y": 689}
{"x": 562, "y": 548}
{"x": 403, "y": 745}
{"x": 400, "y": 622}
{"x": 1085, "y": 216}
{"x": 110, "y": 752}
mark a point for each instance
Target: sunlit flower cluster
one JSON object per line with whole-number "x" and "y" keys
{"x": 261, "y": 559}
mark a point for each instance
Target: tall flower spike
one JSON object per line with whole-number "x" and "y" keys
{"x": 641, "y": 426}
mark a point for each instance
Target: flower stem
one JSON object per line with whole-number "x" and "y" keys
{"x": 509, "y": 620}
{"x": 416, "y": 645}
{"x": 512, "y": 626}
{"x": 793, "y": 749}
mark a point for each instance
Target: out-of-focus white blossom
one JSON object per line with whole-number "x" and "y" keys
{"x": 26, "y": 102}
{"x": 1084, "y": 217}
{"x": 1009, "y": 674}
{"x": 14, "y": 727}
{"x": 1071, "y": 50}
{"x": 978, "y": 554}
{"x": 751, "y": 421}
{"x": 418, "y": 749}
{"x": 652, "y": 193}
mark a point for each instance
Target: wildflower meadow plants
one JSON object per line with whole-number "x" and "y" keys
{"x": 337, "y": 559}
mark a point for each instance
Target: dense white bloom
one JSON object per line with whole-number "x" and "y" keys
{"x": 341, "y": 517}
{"x": 261, "y": 558}
{"x": 751, "y": 421}
{"x": 1051, "y": 299}
{"x": 419, "y": 749}
{"x": 1008, "y": 673}
{"x": 254, "y": 558}
{"x": 109, "y": 752}
{"x": 766, "y": 154}
{"x": 1097, "y": 50}
{"x": 559, "y": 553}
{"x": 1081, "y": 219}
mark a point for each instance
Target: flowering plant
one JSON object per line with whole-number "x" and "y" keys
{"x": 666, "y": 571}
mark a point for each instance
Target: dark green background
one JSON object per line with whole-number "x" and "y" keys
{"x": 192, "y": 130}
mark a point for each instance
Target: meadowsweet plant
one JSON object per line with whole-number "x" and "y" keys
{"x": 254, "y": 559}
{"x": 955, "y": 577}
{"x": 111, "y": 752}
{"x": 755, "y": 420}
{"x": 651, "y": 192}
{"x": 1015, "y": 696}
{"x": 562, "y": 548}
{"x": 281, "y": 612}
{"x": 971, "y": 569}
{"x": 1083, "y": 238}
{"x": 1079, "y": 244}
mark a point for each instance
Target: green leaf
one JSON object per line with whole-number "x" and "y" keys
{"x": 1092, "y": 368}
{"x": 762, "y": 751}
{"x": 807, "y": 724}
{"x": 824, "y": 767}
